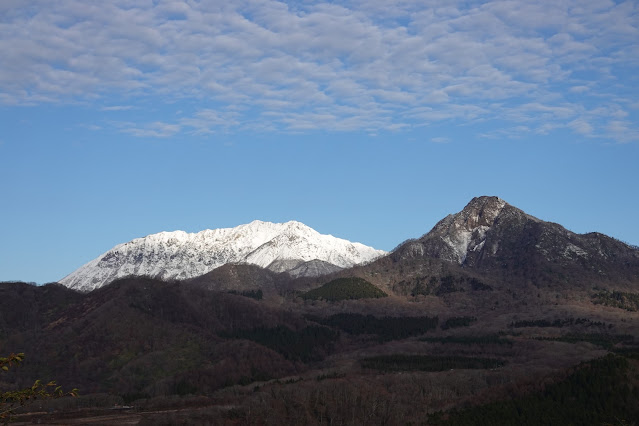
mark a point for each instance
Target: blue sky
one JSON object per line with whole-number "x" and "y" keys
{"x": 367, "y": 120}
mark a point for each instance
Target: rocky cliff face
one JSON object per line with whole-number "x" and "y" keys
{"x": 491, "y": 235}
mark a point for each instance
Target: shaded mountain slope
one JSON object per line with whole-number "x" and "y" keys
{"x": 240, "y": 278}
{"x": 142, "y": 336}
{"x": 24, "y": 307}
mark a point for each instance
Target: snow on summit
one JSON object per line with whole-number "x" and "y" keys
{"x": 182, "y": 255}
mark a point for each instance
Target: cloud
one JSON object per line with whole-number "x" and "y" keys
{"x": 92, "y": 127}
{"x": 207, "y": 121}
{"x": 440, "y": 140}
{"x": 117, "y": 108}
{"x": 579, "y": 89}
{"x": 623, "y": 130}
{"x": 514, "y": 132}
{"x": 151, "y": 130}
{"x": 348, "y": 65}
{"x": 581, "y": 126}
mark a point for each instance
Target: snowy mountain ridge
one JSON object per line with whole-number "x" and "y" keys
{"x": 181, "y": 255}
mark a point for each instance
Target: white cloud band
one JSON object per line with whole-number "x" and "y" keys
{"x": 340, "y": 66}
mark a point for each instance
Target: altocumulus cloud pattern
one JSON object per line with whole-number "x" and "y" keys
{"x": 532, "y": 67}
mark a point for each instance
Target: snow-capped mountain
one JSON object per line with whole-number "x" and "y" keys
{"x": 290, "y": 246}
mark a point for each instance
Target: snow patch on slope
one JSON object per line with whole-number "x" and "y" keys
{"x": 464, "y": 241}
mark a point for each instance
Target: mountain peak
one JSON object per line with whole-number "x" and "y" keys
{"x": 457, "y": 234}
{"x": 481, "y": 211}
{"x": 181, "y": 255}
{"x": 485, "y": 202}
{"x": 490, "y": 234}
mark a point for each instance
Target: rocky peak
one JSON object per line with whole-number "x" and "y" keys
{"x": 480, "y": 212}
{"x": 454, "y": 237}
{"x": 491, "y": 235}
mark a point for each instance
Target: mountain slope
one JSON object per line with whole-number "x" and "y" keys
{"x": 137, "y": 336}
{"x": 490, "y": 235}
{"x": 180, "y": 255}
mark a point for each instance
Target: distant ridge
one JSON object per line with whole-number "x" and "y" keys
{"x": 282, "y": 247}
